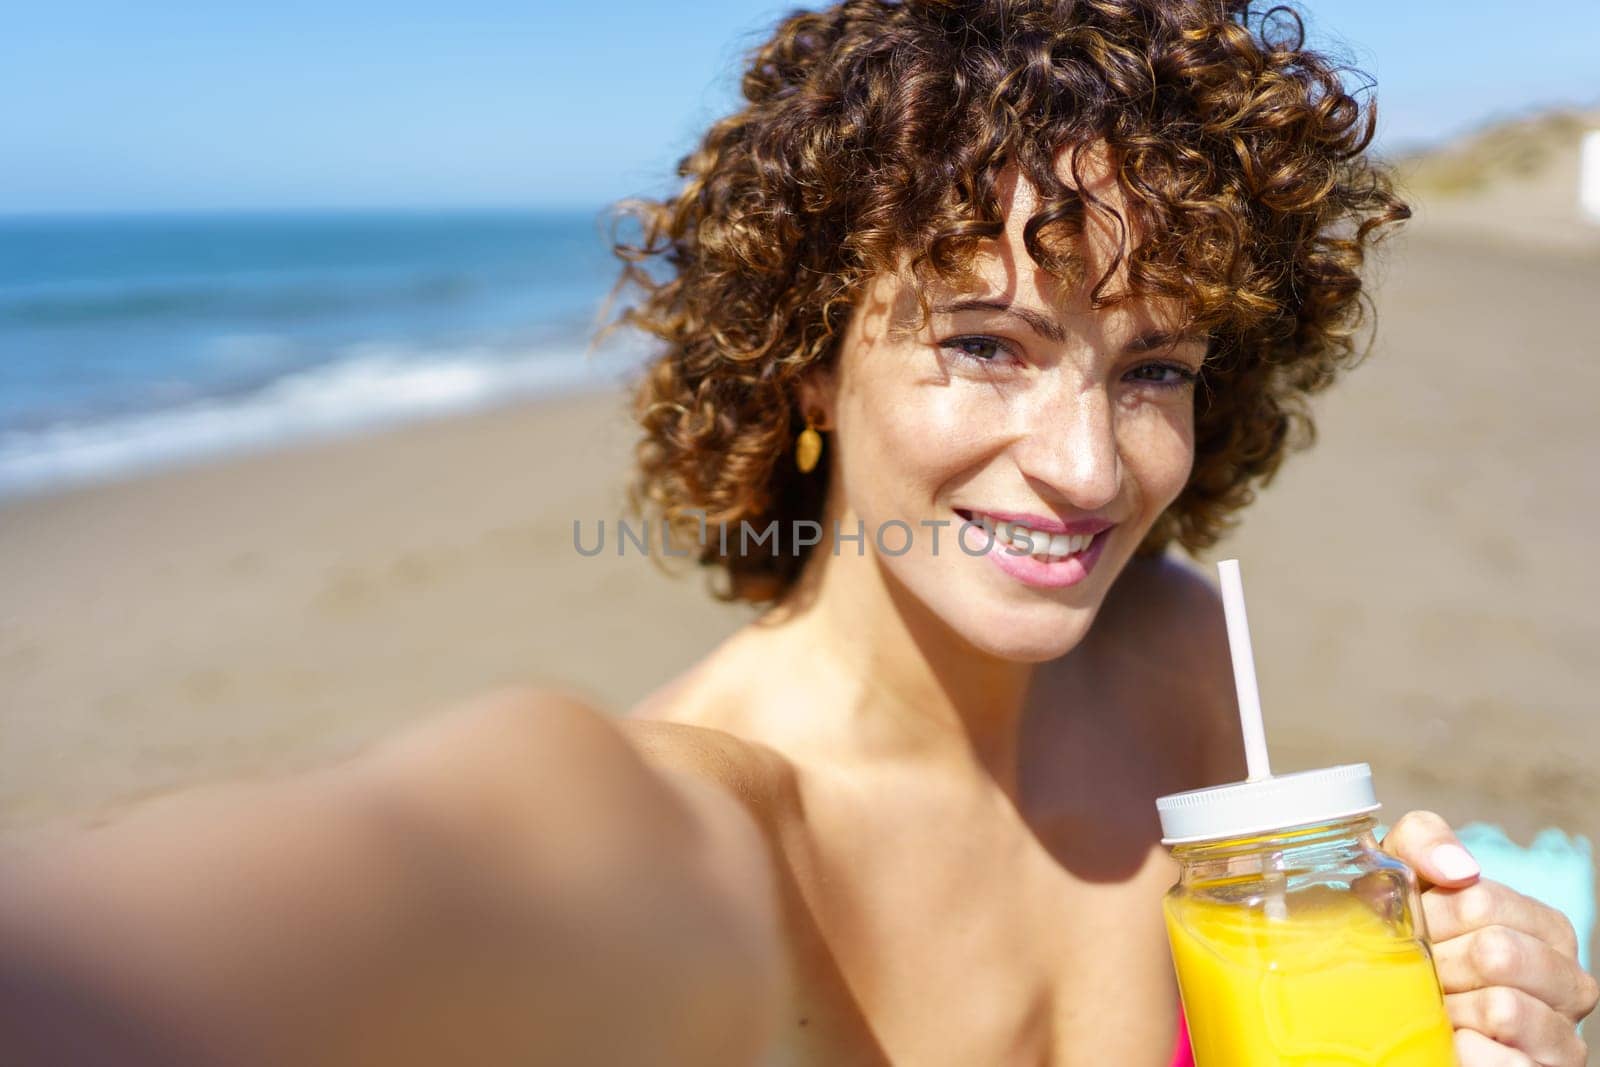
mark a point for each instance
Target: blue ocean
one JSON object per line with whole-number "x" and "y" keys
{"x": 133, "y": 342}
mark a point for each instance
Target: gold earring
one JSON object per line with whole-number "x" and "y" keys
{"x": 808, "y": 447}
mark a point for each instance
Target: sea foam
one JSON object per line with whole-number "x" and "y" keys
{"x": 369, "y": 386}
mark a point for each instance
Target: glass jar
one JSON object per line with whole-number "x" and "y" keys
{"x": 1296, "y": 941}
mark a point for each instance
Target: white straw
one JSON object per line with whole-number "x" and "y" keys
{"x": 1244, "y": 672}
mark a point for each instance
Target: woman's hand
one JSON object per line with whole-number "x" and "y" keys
{"x": 1508, "y": 964}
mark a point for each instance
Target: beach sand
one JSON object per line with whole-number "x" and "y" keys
{"x": 273, "y": 611}
{"x": 1420, "y": 582}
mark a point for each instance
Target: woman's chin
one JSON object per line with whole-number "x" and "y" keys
{"x": 1036, "y": 638}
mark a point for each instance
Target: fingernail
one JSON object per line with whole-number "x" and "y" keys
{"x": 1454, "y": 862}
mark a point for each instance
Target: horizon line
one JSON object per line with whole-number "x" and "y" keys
{"x": 218, "y": 211}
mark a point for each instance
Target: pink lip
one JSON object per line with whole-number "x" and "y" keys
{"x": 1042, "y": 575}
{"x": 1042, "y": 524}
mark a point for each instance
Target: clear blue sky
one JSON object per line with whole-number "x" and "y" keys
{"x": 186, "y": 105}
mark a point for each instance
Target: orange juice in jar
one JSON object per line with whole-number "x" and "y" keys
{"x": 1297, "y": 942}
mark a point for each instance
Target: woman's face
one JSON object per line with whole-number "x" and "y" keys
{"x": 1017, "y": 403}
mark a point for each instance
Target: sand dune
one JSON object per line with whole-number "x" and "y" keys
{"x": 1513, "y": 181}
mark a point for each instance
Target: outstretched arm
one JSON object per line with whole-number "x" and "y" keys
{"x": 507, "y": 883}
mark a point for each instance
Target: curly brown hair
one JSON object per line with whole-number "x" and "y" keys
{"x": 875, "y": 130}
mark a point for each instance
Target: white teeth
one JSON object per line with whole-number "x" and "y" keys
{"x": 1041, "y": 546}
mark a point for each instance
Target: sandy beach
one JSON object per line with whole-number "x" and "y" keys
{"x": 267, "y": 612}
{"x": 1421, "y": 585}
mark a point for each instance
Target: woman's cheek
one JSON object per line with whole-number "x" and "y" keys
{"x": 1159, "y": 446}
{"x": 911, "y": 447}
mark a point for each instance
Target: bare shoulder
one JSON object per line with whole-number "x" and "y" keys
{"x": 539, "y": 785}
{"x": 485, "y": 775}
{"x": 1165, "y": 613}
{"x": 477, "y": 755}
{"x": 1164, "y": 592}
{"x": 691, "y": 729}
{"x": 756, "y": 775}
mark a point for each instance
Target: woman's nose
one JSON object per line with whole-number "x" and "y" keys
{"x": 1072, "y": 449}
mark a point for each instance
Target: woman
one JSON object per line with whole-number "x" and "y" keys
{"x": 1047, "y": 283}
{"x": 1051, "y": 280}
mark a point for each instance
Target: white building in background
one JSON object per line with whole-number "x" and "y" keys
{"x": 1589, "y": 177}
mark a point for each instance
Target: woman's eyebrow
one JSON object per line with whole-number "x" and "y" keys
{"x": 1042, "y": 325}
{"x": 1160, "y": 340}
{"x": 1149, "y": 341}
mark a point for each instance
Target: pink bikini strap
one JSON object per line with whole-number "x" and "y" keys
{"x": 1182, "y": 1054}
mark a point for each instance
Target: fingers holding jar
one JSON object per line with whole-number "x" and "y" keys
{"x": 1501, "y": 956}
{"x": 1486, "y": 904}
{"x": 1475, "y": 1050}
{"x": 1512, "y": 1022}
{"x": 1508, "y": 963}
{"x": 1509, "y": 968}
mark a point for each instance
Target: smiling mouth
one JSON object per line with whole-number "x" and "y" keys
{"x": 1041, "y": 545}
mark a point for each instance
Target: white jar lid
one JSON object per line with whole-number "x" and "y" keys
{"x": 1281, "y": 802}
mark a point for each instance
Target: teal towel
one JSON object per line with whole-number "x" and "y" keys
{"x": 1556, "y": 869}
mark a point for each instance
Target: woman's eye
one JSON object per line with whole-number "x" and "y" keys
{"x": 980, "y": 349}
{"x": 1163, "y": 375}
